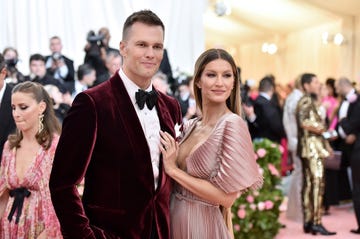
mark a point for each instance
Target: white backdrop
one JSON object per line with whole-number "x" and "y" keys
{"x": 27, "y": 25}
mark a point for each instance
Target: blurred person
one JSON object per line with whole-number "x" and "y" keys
{"x": 331, "y": 103}
{"x": 26, "y": 207}
{"x": 349, "y": 132}
{"x": 160, "y": 83}
{"x": 60, "y": 108}
{"x": 58, "y": 65}
{"x": 86, "y": 77}
{"x": 213, "y": 163}
{"x": 38, "y": 72}
{"x": 312, "y": 149}
{"x": 13, "y": 76}
{"x": 265, "y": 119}
{"x": 126, "y": 191}
{"x": 186, "y": 98}
{"x": 113, "y": 63}
{"x": 294, "y": 207}
{"x": 7, "y": 124}
{"x": 96, "y": 50}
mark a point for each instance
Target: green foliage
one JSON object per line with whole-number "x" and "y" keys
{"x": 256, "y": 213}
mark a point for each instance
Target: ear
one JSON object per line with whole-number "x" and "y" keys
{"x": 42, "y": 107}
{"x": 122, "y": 47}
{"x": 198, "y": 84}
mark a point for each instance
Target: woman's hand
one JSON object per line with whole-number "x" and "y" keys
{"x": 169, "y": 149}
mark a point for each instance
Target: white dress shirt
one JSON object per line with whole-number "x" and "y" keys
{"x": 150, "y": 123}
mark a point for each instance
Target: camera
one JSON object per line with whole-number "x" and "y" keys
{"x": 57, "y": 56}
{"x": 92, "y": 38}
{"x": 11, "y": 63}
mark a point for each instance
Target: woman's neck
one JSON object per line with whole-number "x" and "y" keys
{"x": 211, "y": 115}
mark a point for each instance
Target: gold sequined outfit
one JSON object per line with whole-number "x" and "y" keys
{"x": 312, "y": 149}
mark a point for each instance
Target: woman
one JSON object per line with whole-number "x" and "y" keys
{"x": 26, "y": 166}
{"x": 214, "y": 162}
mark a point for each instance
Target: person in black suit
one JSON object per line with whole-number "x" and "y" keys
{"x": 7, "y": 124}
{"x": 265, "y": 119}
{"x": 58, "y": 65}
{"x": 349, "y": 131}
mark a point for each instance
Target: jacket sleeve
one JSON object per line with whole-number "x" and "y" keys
{"x": 72, "y": 157}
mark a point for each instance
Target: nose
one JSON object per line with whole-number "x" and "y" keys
{"x": 219, "y": 80}
{"x": 150, "y": 52}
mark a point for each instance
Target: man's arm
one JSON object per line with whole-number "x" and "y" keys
{"x": 72, "y": 157}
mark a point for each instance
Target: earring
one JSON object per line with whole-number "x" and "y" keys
{"x": 41, "y": 125}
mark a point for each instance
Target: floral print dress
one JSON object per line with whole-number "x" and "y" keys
{"x": 37, "y": 213}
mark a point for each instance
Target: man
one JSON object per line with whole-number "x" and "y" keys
{"x": 113, "y": 63}
{"x": 349, "y": 132}
{"x": 294, "y": 208}
{"x": 266, "y": 119}
{"x": 58, "y": 65}
{"x": 38, "y": 72}
{"x": 312, "y": 149}
{"x": 86, "y": 77}
{"x": 111, "y": 137}
{"x": 7, "y": 124}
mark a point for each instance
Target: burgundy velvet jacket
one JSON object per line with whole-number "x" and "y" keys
{"x": 103, "y": 140}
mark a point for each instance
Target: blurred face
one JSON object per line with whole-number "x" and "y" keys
{"x": 55, "y": 45}
{"x": 10, "y": 54}
{"x": 106, "y": 33}
{"x": 142, "y": 52}
{"x": 313, "y": 87}
{"x": 26, "y": 111}
{"x": 90, "y": 78}
{"x": 216, "y": 82}
{"x": 113, "y": 64}
{"x": 38, "y": 68}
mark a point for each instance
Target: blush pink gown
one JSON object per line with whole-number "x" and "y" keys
{"x": 38, "y": 213}
{"x": 227, "y": 160}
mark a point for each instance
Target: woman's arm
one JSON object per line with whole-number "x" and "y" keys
{"x": 199, "y": 187}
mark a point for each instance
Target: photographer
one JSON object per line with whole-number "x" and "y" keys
{"x": 58, "y": 65}
{"x": 13, "y": 76}
{"x": 96, "y": 50}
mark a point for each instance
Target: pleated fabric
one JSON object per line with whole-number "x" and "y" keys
{"x": 226, "y": 159}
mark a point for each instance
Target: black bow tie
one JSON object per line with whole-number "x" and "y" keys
{"x": 142, "y": 97}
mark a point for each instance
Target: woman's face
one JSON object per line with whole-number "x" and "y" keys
{"x": 216, "y": 82}
{"x": 26, "y": 111}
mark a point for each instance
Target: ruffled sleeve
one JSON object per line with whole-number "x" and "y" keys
{"x": 237, "y": 169}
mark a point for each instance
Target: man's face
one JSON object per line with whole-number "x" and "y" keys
{"x": 313, "y": 87}
{"x": 55, "y": 45}
{"x": 37, "y": 67}
{"x": 90, "y": 78}
{"x": 142, "y": 52}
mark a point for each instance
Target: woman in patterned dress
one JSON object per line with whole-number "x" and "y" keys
{"x": 26, "y": 208}
{"x": 214, "y": 162}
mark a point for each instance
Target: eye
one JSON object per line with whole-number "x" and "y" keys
{"x": 228, "y": 75}
{"x": 158, "y": 47}
{"x": 141, "y": 44}
{"x": 210, "y": 75}
{"x": 23, "y": 107}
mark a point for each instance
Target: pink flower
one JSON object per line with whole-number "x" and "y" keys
{"x": 273, "y": 170}
{"x": 352, "y": 98}
{"x": 241, "y": 213}
{"x": 261, "y": 171}
{"x": 256, "y": 157}
{"x": 261, "y": 152}
{"x": 255, "y": 193}
{"x": 281, "y": 149}
{"x": 252, "y": 206}
{"x": 250, "y": 199}
{"x": 269, "y": 204}
{"x": 243, "y": 206}
{"x": 261, "y": 206}
{"x": 236, "y": 227}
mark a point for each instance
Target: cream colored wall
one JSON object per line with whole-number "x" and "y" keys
{"x": 303, "y": 51}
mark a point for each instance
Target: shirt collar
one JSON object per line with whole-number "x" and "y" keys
{"x": 351, "y": 92}
{"x": 130, "y": 86}
{"x": 2, "y": 90}
{"x": 265, "y": 95}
